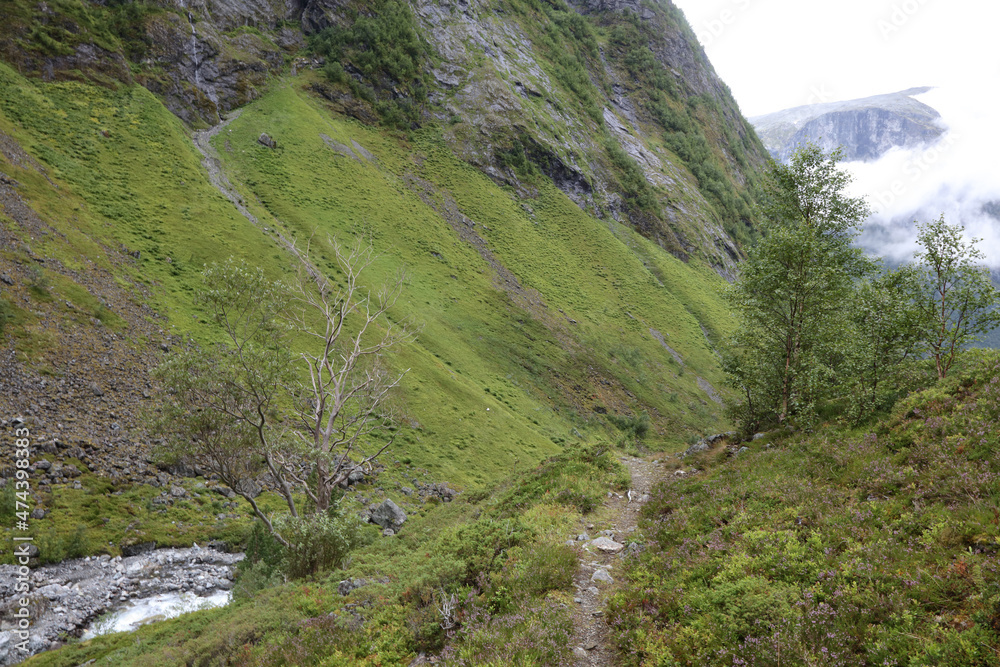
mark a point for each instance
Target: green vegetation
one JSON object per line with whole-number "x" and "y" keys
{"x": 56, "y": 28}
{"x": 377, "y": 55}
{"x": 958, "y": 299}
{"x": 571, "y": 44}
{"x": 225, "y": 408}
{"x": 815, "y": 321}
{"x": 6, "y": 315}
{"x": 793, "y": 292}
{"x": 848, "y": 546}
{"x": 501, "y": 377}
{"x": 694, "y": 127}
{"x": 101, "y": 517}
{"x": 547, "y": 335}
{"x": 545, "y": 332}
{"x": 886, "y": 331}
{"x": 483, "y": 579}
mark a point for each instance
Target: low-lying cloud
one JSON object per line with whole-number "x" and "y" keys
{"x": 956, "y": 176}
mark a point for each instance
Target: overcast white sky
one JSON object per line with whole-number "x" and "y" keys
{"x": 776, "y": 54}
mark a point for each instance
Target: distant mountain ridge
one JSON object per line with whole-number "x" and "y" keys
{"x": 866, "y": 128}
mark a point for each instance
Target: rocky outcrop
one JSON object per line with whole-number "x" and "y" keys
{"x": 387, "y": 515}
{"x": 492, "y": 77}
{"x": 707, "y": 443}
{"x": 864, "y": 128}
{"x": 203, "y": 72}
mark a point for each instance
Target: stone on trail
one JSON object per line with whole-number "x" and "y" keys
{"x": 602, "y": 575}
{"x": 607, "y": 545}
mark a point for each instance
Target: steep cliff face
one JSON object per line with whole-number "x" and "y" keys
{"x": 573, "y": 100}
{"x": 612, "y": 100}
{"x": 865, "y": 128}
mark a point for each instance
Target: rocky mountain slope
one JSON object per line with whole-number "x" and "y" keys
{"x": 866, "y": 128}
{"x": 568, "y": 186}
{"x": 610, "y": 106}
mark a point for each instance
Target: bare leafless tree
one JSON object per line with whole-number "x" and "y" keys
{"x": 345, "y": 401}
{"x": 224, "y": 406}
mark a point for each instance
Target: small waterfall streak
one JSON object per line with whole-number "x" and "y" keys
{"x": 194, "y": 50}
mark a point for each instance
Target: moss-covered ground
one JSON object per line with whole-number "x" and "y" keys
{"x": 872, "y": 545}
{"x": 547, "y": 324}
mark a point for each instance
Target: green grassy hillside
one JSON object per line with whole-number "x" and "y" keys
{"x": 538, "y": 319}
{"x": 549, "y": 327}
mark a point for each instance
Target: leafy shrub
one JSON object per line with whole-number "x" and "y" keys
{"x": 38, "y": 284}
{"x": 542, "y": 567}
{"x": 636, "y": 426}
{"x": 633, "y": 180}
{"x": 8, "y": 500}
{"x": 480, "y": 545}
{"x": 53, "y": 549}
{"x": 836, "y": 548}
{"x": 261, "y": 565}
{"x": 584, "y": 502}
{"x": 577, "y": 478}
{"x": 536, "y": 633}
{"x": 317, "y": 542}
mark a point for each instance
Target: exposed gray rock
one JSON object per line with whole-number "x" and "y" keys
{"x": 388, "y": 515}
{"x": 866, "y": 128}
{"x": 66, "y": 597}
{"x": 602, "y": 575}
{"x": 707, "y": 387}
{"x": 339, "y": 147}
{"x": 700, "y": 446}
{"x": 606, "y": 544}
{"x": 137, "y": 549}
{"x": 707, "y": 442}
{"x": 265, "y": 140}
{"x": 362, "y": 151}
{"x": 676, "y": 355}
{"x": 348, "y": 585}
{"x": 250, "y": 487}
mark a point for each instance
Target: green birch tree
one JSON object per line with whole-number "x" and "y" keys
{"x": 958, "y": 302}
{"x": 793, "y": 294}
{"x": 887, "y": 329}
